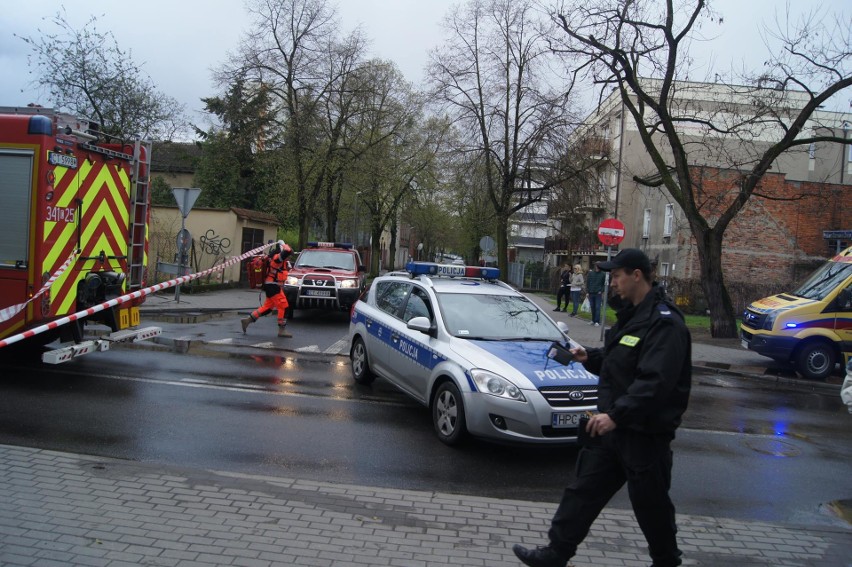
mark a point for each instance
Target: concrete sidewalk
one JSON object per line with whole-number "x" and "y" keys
{"x": 60, "y": 509}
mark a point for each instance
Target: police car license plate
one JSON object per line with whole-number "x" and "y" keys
{"x": 563, "y": 419}
{"x": 318, "y": 292}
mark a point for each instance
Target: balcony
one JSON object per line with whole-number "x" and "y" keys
{"x": 594, "y": 148}
{"x": 584, "y": 245}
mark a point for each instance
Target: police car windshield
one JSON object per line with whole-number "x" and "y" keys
{"x": 495, "y": 317}
{"x": 326, "y": 259}
{"x": 824, "y": 280}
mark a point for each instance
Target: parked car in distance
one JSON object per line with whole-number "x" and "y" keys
{"x": 472, "y": 349}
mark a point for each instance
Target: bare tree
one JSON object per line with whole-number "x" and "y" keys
{"x": 286, "y": 53}
{"x": 641, "y": 48}
{"x": 492, "y": 76}
{"x": 397, "y": 151}
{"x": 85, "y": 72}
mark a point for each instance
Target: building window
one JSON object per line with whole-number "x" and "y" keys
{"x": 663, "y": 272}
{"x": 646, "y": 224}
{"x": 668, "y": 220}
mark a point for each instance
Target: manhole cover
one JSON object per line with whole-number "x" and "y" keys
{"x": 774, "y": 447}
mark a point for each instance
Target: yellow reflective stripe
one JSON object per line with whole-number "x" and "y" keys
{"x": 88, "y": 182}
{"x": 52, "y": 258}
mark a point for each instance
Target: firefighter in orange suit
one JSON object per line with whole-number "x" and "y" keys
{"x": 273, "y": 288}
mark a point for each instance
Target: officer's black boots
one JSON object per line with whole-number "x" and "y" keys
{"x": 540, "y": 557}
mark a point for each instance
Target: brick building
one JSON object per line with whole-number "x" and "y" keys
{"x": 784, "y": 233}
{"x": 808, "y": 191}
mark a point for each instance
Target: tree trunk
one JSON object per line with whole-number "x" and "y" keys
{"x": 375, "y": 251}
{"x": 304, "y": 223}
{"x": 392, "y": 248}
{"x": 723, "y": 324}
{"x": 503, "y": 245}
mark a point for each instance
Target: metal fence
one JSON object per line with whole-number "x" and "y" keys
{"x": 533, "y": 276}
{"x": 688, "y": 294}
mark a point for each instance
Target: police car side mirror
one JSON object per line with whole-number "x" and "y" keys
{"x": 422, "y": 324}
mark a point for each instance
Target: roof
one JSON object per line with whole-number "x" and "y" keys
{"x": 245, "y": 214}
{"x": 257, "y": 216}
{"x": 527, "y": 241}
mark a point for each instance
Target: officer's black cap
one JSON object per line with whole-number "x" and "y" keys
{"x": 629, "y": 258}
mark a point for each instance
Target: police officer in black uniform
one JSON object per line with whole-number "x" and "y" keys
{"x": 645, "y": 369}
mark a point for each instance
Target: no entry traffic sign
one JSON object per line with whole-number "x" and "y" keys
{"x": 611, "y": 232}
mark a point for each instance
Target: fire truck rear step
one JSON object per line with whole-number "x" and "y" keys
{"x": 64, "y": 354}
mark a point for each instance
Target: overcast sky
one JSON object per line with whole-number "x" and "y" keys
{"x": 180, "y": 41}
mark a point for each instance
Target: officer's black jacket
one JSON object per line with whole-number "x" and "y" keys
{"x": 645, "y": 366}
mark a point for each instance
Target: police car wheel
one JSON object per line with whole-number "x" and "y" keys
{"x": 815, "y": 360}
{"x": 360, "y": 366}
{"x": 448, "y": 414}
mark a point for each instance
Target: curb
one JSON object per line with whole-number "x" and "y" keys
{"x": 765, "y": 375}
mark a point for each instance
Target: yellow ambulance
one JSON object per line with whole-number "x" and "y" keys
{"x": 810, "y": 327}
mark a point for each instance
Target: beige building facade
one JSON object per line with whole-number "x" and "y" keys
{"x": 217, "y": 235}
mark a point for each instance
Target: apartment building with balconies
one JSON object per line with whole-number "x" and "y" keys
{"x": 806, "y": 196}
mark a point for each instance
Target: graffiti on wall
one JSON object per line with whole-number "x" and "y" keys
{"x": 213, "y": 244}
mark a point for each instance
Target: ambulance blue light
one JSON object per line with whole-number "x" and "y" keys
{"x": 451, "y": 270}
{"x": 792, "y": 325}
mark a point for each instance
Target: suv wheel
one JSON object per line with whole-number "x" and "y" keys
{"x": 448, "y": 413}
{"x": 361, "y": 372}
{"x": 815, "y": 360}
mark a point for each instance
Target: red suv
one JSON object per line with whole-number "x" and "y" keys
{"x": 326, "y": 275}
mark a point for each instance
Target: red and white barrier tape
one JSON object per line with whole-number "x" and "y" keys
{"x": 8, "y": 312}
{"x": 124, "y": 298}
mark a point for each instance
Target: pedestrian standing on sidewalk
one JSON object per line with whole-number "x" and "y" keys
{"x": 564, "y": 287}
{"x": 645, "y": 369}
{"x": 595, "y": 288}
{"x": 577, "y": 284}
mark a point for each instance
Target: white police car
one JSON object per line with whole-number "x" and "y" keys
{"x": 474, "y": 350}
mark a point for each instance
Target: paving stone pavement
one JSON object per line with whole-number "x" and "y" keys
{"x": 60, "y": 509}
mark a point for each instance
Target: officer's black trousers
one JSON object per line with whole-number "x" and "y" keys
{"x": 644, "y": 462}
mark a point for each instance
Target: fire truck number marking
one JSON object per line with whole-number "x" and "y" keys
{"x": 61, "y": 214}
{"x": 55, "y": 158}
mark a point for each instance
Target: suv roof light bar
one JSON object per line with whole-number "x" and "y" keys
{"x": 346, "y": 245}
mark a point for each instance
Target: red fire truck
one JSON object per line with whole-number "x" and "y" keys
{"x": 74, "y": 221}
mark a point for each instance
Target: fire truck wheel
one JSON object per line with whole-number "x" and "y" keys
{"x": 29, "y": 350}
{"x": 815, "y": 360}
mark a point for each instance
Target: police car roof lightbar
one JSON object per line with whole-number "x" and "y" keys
{"x": 451, "y": 270}
{"x": 347, "y": 245}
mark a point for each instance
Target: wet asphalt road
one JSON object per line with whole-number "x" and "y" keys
{"x": 746, "y": 450}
